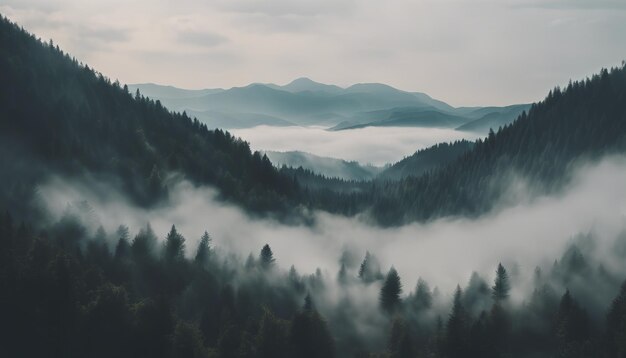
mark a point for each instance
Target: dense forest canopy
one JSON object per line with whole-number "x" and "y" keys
{"x": 78, "y": 292}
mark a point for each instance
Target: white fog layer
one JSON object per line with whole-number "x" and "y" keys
{"x": 444, "y": 252}
{"x": 371, "y": 145}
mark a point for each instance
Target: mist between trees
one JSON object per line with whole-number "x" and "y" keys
{"x": 102, "y": 270}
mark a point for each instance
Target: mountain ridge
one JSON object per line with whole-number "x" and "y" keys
{"x": 301, "y": 102}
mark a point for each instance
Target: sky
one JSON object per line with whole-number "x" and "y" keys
{"x": 465, "y": 52}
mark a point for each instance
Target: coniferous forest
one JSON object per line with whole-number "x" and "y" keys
{"x": 70, "y": 287}
{"x": 96, "y": 294}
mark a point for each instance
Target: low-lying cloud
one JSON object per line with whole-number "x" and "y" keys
{"x": 444, "y": 252}
{"x": 590, "y": 212}
{"x": 372, "y": 145}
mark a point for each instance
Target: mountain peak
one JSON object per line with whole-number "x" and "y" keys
{"x": 372, "y": 88}
{"x": 306, "y": 84}
{"x": 301, "y": 81}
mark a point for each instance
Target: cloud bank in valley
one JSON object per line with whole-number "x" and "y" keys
{"x": 371, "y": 145}
{"x": 444, "y": 252}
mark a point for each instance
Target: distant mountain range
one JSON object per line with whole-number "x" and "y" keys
{"x": 306, "y": 102}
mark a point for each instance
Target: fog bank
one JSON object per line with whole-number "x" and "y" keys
{"x": 371, "y": 145}
{"x": 444, "y": 252}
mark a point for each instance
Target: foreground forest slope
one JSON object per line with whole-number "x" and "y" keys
{"x": 58, "y": 116}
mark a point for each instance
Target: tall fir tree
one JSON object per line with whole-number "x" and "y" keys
{"x": 390, "y": 292}
{"x": 423, "y": 297}
{"x": 502, "y": 286}
{"x": 174, "y": 247}
{"x": 616, "y": 326}
{"x": 369, "y": 271}
{"x": 309, "y": 335}
{"x": 457, "y": 327}
{"x": 204, "y": 249}
{"x": 266, "y": 257}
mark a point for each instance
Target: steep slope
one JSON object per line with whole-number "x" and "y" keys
{"x": 586, "y": 120}
{"x": 425, "y": 160}
{"x": 385, "y": 91}
{"x": 165, "y": 93}
{"x": 492, "y": 118}
{"x": 58, "y": 117}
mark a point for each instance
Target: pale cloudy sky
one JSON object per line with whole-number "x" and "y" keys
{"x": 465, "y": 52}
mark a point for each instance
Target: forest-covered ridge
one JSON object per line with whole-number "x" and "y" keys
{"x": 58, "y": 116}
{"x": 583, "y": 121}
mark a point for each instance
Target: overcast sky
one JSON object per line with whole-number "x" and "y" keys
{"x": 465, "y": 52}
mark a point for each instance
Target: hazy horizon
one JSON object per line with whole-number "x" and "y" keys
{"x": 455, "y": 51}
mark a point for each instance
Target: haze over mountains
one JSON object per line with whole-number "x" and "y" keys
{"x": 329, "y": 167}
{"x": 414, "y": 165}
{"x": 305, "y": 102}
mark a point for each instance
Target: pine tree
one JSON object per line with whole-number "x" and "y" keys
{"x": 144, "y": 243}
{"x": 309, "y": 336}
{"x": 369, "y": 271}
{"x": 572, "y": 329}
{"x": 271, "y": 339}
{"x": 500, "y": 289}
{"x": 477, "y": 295}
{"x": 101, "y": 235}
{"x": 266, "y": 258}
{"x": 250, "y": 262}
{"x": 174, "y": 248}
{"x": 390, "y": 292}
{"x": 364, "y": 266}
{"x": 122, "y": 232}
{"x": 423, "y": 298}
{"x": 308, "y": 303}
{"x": 122, "y": 249}
{"x": 204, "y": 249}
{"x": 456, "y": 330}
{"x": 616, "y": 326}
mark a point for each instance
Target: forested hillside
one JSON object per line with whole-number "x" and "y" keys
{"x": 585, "y": 120}
{"x": 59, "y": 117}
{"x": 425, "y": 160}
